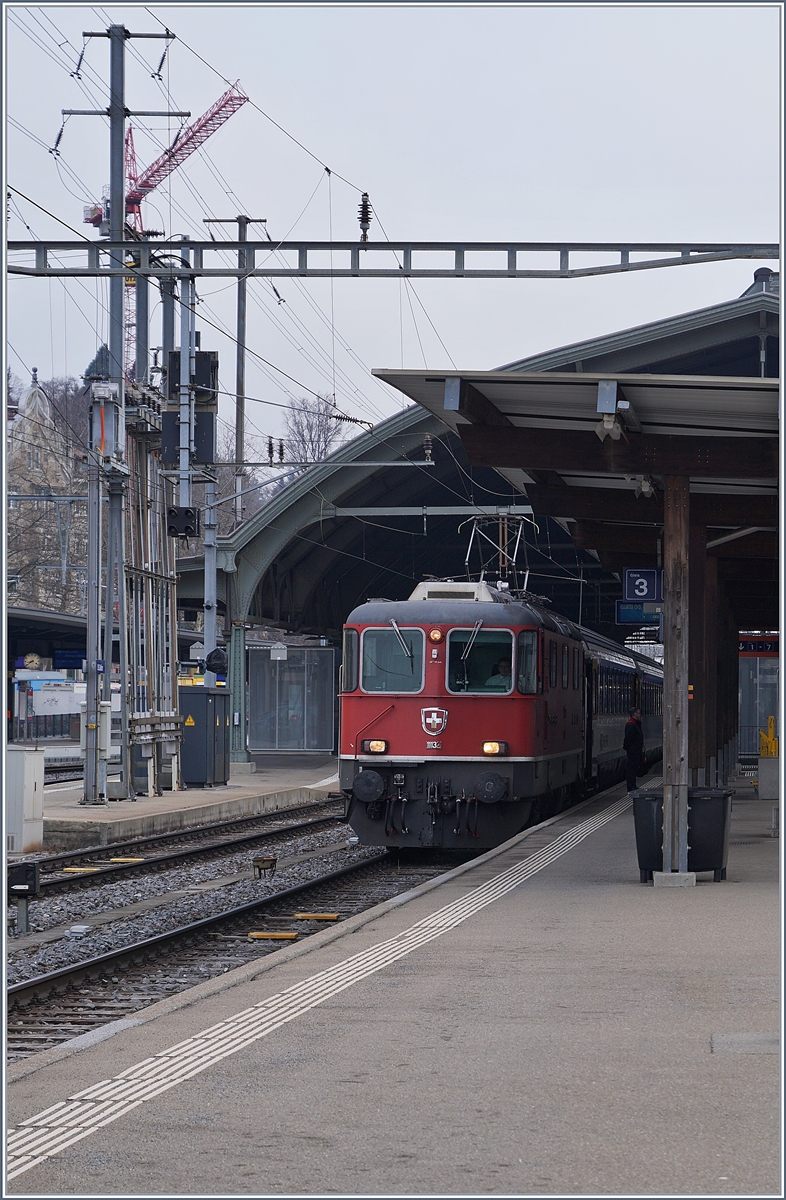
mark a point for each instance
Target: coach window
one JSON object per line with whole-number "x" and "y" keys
{"x": 349, "y": 661}
{"x": 552, "y": 664}
{"x": 565, "y": 667}
{"x": 480, "y": 661}
{"x": 528, "y": 662}
{"x": 392, "y": 660}
{"x": 576, "y": 666}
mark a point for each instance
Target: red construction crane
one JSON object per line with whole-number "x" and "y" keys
{"x": 140, "y": 186}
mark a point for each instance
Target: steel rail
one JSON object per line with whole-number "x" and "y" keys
{"x": 50, "y": 862}
{"x": 55, "y": 883}
{"x": 22, "y": 993}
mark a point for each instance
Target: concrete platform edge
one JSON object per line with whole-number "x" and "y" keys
{"x": 241, "y": 975}
{"x": 74, "y": 832}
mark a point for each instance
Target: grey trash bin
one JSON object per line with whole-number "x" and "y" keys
{"x": 709, "y": 820}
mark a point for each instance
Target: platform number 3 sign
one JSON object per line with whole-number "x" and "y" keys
{"x": 644, "y": 585}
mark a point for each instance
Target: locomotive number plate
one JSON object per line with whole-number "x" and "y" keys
{"x": 433, "y": 745}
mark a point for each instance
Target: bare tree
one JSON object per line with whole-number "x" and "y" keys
{"x": 257, "y": 484}
{"x": 312, "y": 429}
{"x": 13, "y": 392}
{"x": 46, "y": 541}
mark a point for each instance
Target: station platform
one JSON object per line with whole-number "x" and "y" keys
{"x": 535, "y": 1022}
{"x": 278, "y": 782}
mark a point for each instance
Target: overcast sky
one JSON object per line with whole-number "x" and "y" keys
{"x": 474, "y": 122}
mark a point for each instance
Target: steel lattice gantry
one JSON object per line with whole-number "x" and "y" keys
{"x": 390, "y": 259}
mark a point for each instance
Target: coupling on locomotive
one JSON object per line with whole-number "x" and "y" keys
{"x": 468, "y": 714}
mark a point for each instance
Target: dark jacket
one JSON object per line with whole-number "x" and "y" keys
{"x": 633, "y": 743}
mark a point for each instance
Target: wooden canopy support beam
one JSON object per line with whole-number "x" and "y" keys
{"x": 745, "y": 570}
{"x": 463, "y": 397}
{"x": 631, "y": 539}
{"x": 675, "y": 673}
{"x": 622, "y": 506}
{"x": 606, "y": 538}
{"x": 754, "y": 546}
{"x": 637, "y": 454}
{"x": 617, "y": 562}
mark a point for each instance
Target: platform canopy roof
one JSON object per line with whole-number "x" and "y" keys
{"x": 721, "y": 432}
{"x": 592, "y": 448}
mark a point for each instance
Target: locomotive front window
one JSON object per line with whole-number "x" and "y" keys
{"x": 386, "y": 665}
{"x": 480, "y": 661}
{"x": 528, "y": 662}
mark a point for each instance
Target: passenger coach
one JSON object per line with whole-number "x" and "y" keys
{"x": 467, "y": 714}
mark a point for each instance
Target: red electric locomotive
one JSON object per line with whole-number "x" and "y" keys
{"x": 467, "y": 714}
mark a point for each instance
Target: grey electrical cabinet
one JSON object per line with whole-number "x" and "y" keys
{"x": 204, "y": 756}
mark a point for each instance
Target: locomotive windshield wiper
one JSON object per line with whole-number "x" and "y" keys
{"x": 471, "y": 641}
{"x": 402, "y": 642}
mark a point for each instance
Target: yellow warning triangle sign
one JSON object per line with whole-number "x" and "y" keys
{"x": 190, "y": 720}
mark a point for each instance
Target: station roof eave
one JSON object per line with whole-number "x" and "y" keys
{"x": 719, "y": 431}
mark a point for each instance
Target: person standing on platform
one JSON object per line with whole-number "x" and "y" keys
{"x": 633, "y": 745}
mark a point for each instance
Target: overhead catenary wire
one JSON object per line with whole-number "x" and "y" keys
{"x": 253, "y": 103}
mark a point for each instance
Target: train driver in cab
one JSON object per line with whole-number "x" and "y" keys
{"x": 501, "y": 677}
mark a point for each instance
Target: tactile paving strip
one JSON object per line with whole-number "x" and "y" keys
{"x": 63, "y": 1124}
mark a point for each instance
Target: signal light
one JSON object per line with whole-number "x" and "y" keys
{"x": 182, "y": 521}
{"x": 435, "y": 635}
{"x": 374, "y": 746}
{"x": 495, "y": 747}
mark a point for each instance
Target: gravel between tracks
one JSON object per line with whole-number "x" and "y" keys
{"x": 28, "y": 962}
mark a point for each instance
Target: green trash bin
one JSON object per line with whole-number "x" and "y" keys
{"x": 709, "y": 821}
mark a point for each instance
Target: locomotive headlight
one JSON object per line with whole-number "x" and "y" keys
{"x": 495, "y": 747}
{"x": 375, "y": 746}
{"x": 435, "y": 635}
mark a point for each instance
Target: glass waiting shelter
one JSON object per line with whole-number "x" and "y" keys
{"x": 291, "y": 701}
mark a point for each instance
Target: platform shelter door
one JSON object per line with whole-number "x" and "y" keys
{"x": 291, "y": 703}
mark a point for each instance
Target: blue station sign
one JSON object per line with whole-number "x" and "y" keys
{"x": 641, "y": 585}
{"x": 630, "y": 613}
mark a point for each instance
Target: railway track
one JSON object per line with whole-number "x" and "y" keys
{"x": 54, "y": 1008}
{"x": 83, "y": 868}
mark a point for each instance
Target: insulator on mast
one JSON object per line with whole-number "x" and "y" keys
{"x": 364, "y": 216}
{"x": 281, "y": 450}
{"x": 270, "y": 450}
{"x": 427, "y": 444}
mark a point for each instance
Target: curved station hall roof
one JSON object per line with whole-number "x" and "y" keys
{"x": 366, "y": 523}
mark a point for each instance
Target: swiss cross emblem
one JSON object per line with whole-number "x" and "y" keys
{"x": 433, "y": 720}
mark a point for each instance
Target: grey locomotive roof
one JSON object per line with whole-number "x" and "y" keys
{"x": 459, "y": 612}
{"x": 496, "y": 614}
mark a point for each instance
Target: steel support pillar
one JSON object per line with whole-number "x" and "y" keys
{"x": 698, "y": 680}
{"x": 209, "y": 636}
{"x": 186, "y": 416}
{"x": 142, "y": 327}
{"x": 117, "y": 124}
{"x": 167, "y": 320}
{"x": 675, "y": 681}
{"x": 240, "y": 371}
{"x": 237, "y": 685}
{"x": 116, "y": 597}
{"x": 92, "y": 793}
